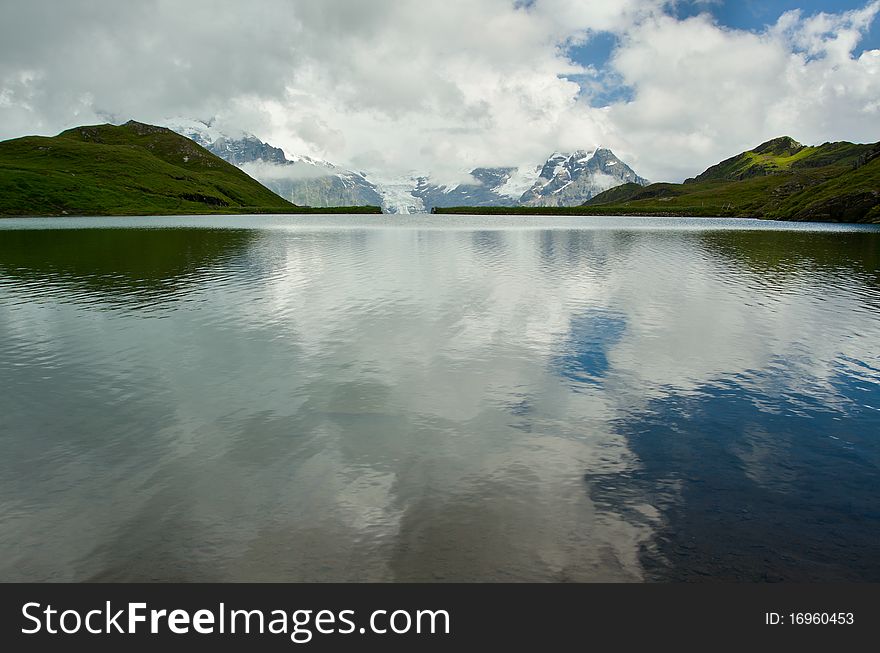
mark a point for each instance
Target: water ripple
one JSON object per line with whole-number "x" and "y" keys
{"x": 376, "y": 398}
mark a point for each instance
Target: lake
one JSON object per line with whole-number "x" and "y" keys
{"x": 438, "y": 398}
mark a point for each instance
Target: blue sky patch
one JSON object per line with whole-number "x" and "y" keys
{"x": 752, "y": 15}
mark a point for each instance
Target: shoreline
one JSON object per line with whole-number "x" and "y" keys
{"x": 612, "y": 212}
{"x": 300, "y": 210}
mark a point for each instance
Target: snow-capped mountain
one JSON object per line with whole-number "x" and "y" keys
{"x": 484, "y": 191}
{"x": 300, "y": 179}
{"x": 572, "y": 179}
{"x": 563, "y": 180}
{"x": 237, "y": 148}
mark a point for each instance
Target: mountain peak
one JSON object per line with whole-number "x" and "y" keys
{"x": 782, "y": 146}
{"x": 566, "y": 180}
{"x": 134, "y": 124}
{"x": 781, "y": 155}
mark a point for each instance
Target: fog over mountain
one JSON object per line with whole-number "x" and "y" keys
{"x": 562, "y": 180}
{"x": 299, "y": 179}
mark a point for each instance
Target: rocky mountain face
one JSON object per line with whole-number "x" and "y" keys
{"x": 236, "y": 148}
{"x": 572, "y": 179}
{"x": 301, "y": 180}
{"x": 486, "y": 191}
{"x": 563, "y": 180}
{"x": 247, "y": 149}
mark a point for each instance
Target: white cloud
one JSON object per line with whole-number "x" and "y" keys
{"x": 394, "y": 87}
{"x": 703, "y": 92}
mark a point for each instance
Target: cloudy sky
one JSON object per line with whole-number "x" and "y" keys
{"x": 442, "y": 86}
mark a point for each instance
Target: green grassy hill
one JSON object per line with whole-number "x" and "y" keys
{"x": 782, "y": 155}
{"x": 132, "y": 169}
{"x": 780, "y": 179}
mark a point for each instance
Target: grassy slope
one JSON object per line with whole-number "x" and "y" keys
{"x": 851, "y": 197}
{"x": 782, "y": 155}
{"x": 133, "y": 169}
{"x": 780, "y": 179}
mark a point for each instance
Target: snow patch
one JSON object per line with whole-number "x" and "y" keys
{"x": 397, "y": 197}
{"x": 202, "y": 132}
{"x": 562, "y": 188}
{"x": 519, "y": 181}
{"x": 302, "y": 158}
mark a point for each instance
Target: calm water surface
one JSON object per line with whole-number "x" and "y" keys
{"x": 438, "y": 398}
